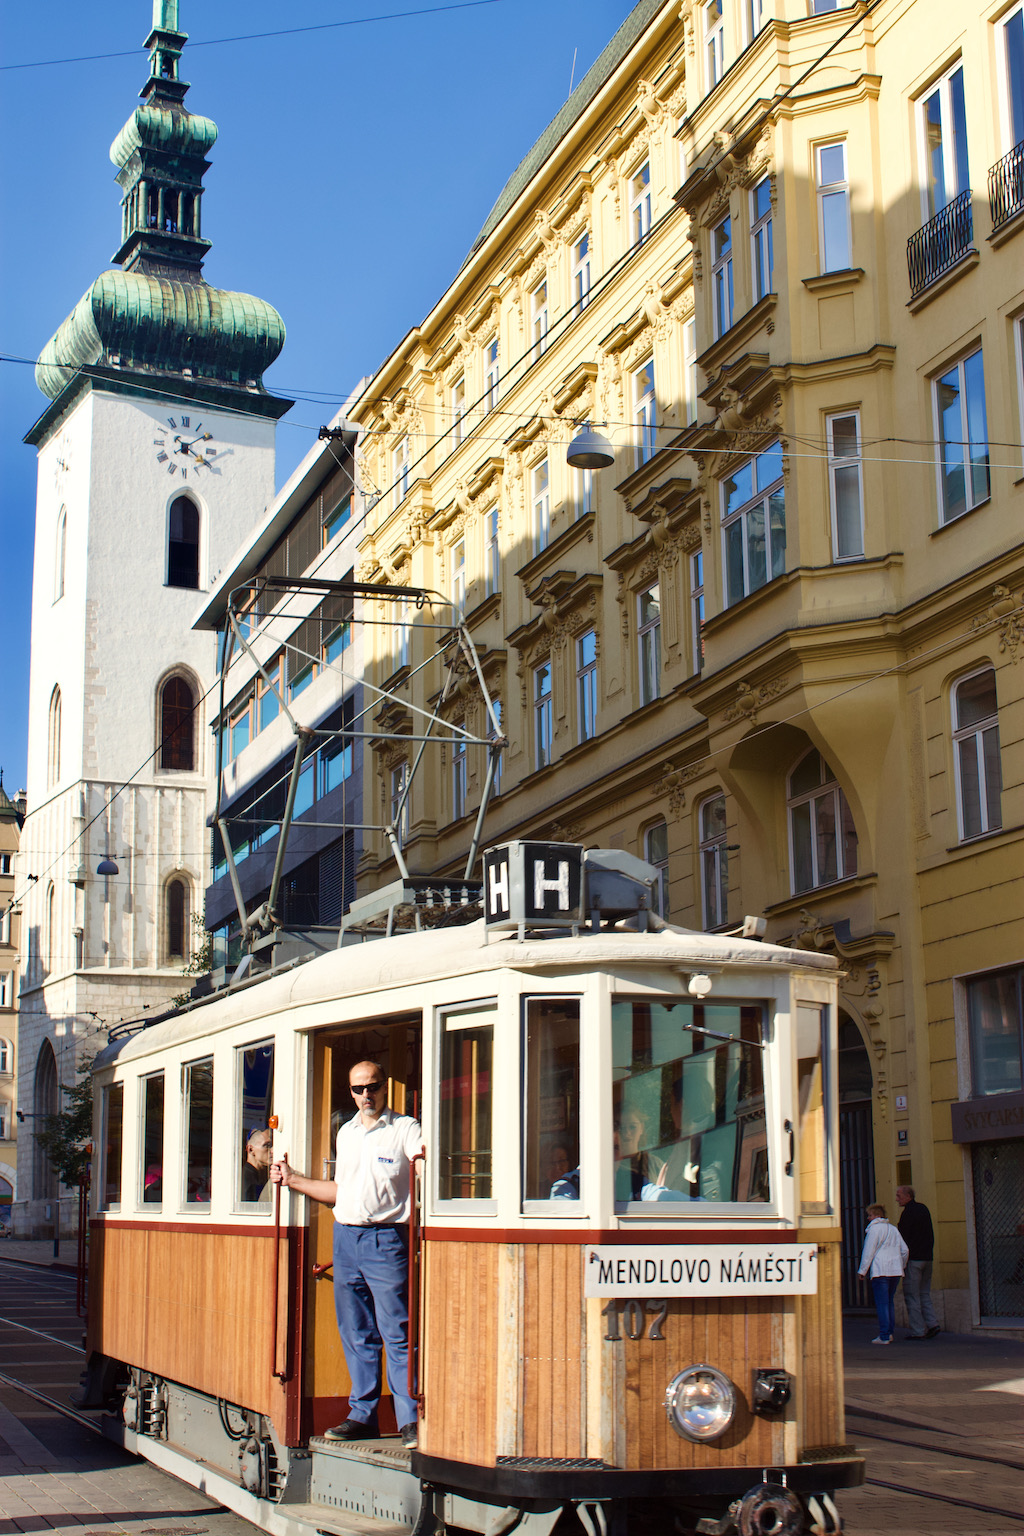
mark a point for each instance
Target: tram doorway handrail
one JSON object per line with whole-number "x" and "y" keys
{"x": 412, "y": 1363}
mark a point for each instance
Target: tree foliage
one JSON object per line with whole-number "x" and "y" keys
{"x": 66, "y": 1137}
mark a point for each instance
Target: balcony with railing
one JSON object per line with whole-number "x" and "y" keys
{"x": 941, "y": 243}
{"x": 1006, "y": 187}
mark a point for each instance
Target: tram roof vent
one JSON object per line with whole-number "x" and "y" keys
{"x": 559, "y": 886}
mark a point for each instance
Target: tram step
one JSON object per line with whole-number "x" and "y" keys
{"x": 310, "y": 1518}
{"x": 368, "y": 1479}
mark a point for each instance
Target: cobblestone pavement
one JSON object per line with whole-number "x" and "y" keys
{"x": 943, "y": 1416}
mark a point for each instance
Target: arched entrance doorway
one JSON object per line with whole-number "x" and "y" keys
{"x": 856, "y": 1154}
{"x": 44, "y": 1180}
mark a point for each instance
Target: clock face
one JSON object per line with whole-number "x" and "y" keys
{"x": 187, "y": 448}
{"x": 62, "y": 462}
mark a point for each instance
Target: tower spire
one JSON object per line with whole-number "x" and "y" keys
{"x": 161, "y": 158}
{"x": 158, "y": 317}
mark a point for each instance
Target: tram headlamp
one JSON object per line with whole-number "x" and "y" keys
{"x": 700, "y": 1403}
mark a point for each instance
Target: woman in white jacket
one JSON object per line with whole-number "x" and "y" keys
{"x": 884, "y": 1259}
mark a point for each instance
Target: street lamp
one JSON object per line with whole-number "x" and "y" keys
{"x": 590, "y": 450}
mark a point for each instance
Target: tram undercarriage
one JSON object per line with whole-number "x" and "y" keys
{"x": 378, "y": 1488}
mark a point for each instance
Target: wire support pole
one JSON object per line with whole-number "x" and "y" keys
{"x": 493, "y": 757}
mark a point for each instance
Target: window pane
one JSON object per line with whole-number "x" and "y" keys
{"x": 1013, "y": 34}
{"x": 762, "y": 198}
{"x": 993, "y": 777}
{"x": 153, "y": 1139}
{"x": 825, "y": 836}
{"x": 688, "y": 1111}
{"x": 734, "y": 560}
{"x": 811, "y": 1098}
{"x": 954, "y": 492}
{"x": 849, "y": 540}
{"x": 197, "y": 1092}
{"x": 777, "y": 526}
{"x": 933, "y": 150}
{"x": 757, "y": 566}
{"x": 552, "y": 1100}
{"x": 994, "y": 1008}
{"x": 114, "y": 1128}
{"x": 970, "y": 788}
{"x": 832, "y": 163}
{"x": 769, "y": 466}
{"x": 849, "y": 837}
{"x": 977, "y": 427}
{"x": 835, "y": 231}
{"x": 976, "y": 699}
{"x": 739, "y": 487}
{"x": 803, "y": 868}
{"x": 958, "y": 114}
{"x": 255, "y": 1080}
{"x": 467, "y": 1038}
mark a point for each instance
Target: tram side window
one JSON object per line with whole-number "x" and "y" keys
{"x": 254, "y": 1077}
{"x": 812, "y": 1089}
{"x": 551, "y": 1134}
{"x": 688, "y": 1102}
{"x": 153, "y": 1139}
{"x": 465, "y": 1140}
{"x": 197, "y": 1098}
{"x": 113, "y": 1129}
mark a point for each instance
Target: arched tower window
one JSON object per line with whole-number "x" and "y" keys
{"x": 823, "y": 838}
{"x": 60, "y": 554}
{"x": 177, "y": 726}
{"x": 176, "y": 917}
{"x": 44, "y": 1180}
{"x": 183, "y": 544}
{"x": 53, "y": 741}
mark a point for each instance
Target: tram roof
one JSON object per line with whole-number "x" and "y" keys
{"x": 434, "y": 954}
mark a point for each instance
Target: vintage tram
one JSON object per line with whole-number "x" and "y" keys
{"x": 625, "y": 1261}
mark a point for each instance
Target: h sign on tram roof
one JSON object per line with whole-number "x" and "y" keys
{"x": 533, "y": 885}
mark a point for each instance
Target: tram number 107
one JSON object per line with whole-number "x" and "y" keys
{"x": 633, "y": 1320}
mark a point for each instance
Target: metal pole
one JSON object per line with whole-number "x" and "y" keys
{"x": 286, "y": 821}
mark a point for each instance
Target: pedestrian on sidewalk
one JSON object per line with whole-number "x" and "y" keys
{"x": 883, "y": 1257}
{"x": 915, "y": 1228}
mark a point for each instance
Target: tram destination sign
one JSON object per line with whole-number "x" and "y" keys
{"x": 534, "y": 884}
{"x": 707, "y": 1269}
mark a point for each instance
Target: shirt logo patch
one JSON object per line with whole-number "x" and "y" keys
{"x": 389, "y": 1160}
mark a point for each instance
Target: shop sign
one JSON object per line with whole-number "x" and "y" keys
{"x": 995, "y": 1118}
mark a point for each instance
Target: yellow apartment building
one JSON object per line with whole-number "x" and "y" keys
{"x": 774, "y": 253}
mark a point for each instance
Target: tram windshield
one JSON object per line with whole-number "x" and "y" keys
{"x": 688, "y": 1102}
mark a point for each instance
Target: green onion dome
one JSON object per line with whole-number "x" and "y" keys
{"x": 161, "y": 325}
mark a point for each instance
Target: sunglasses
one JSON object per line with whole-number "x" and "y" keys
{"x": 366, "y": 1088}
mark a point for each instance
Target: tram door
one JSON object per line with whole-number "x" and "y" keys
{"x": 856, "y": 1157}
{"x": 396, "y": 1044}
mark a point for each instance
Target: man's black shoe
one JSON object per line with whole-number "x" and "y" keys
{"x": 933, "y": 1331}
{"x": 408, "y": 1434}
{"x": 351, "y": 1429}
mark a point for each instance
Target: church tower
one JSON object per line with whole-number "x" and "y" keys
{"x": 155, "y": 460}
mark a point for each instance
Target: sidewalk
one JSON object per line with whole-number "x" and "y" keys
{"x": 27, "y": 1250}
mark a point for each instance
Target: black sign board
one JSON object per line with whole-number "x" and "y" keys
{"x": 533, "y": 884}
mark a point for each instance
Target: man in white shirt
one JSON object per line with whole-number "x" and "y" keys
{"x": 371, "y": 1195}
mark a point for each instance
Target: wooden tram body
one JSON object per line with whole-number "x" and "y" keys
{"x": 540, "y": 1402}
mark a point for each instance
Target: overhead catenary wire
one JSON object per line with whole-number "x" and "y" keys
{"x": 249, "y": 37}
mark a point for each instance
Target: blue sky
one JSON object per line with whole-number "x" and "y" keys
{"x": 353, "y": 169}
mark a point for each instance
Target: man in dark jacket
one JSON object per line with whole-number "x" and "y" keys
{"x": 915, "y": 1228}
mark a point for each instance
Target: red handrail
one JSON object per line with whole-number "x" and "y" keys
{"x": 83, "y": 1229}
{"x": 414, "y": 1284}
{"x": 274, "y": 1290}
